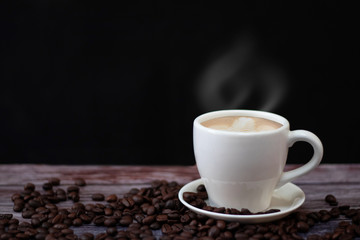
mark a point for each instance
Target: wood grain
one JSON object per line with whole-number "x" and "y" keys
{"x": 341, "y": 180}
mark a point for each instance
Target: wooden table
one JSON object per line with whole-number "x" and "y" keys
{"x": 341, "y": 180}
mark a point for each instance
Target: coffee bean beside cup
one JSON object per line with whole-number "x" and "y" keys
{"x": 241, "y": 154}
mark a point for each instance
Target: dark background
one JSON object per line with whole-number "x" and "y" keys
{"x": 108, "y": 84}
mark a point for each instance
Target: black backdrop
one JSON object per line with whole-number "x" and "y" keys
{"x": 108, "y": 84}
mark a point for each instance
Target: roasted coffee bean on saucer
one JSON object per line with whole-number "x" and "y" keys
{"x": 198, "y": 200}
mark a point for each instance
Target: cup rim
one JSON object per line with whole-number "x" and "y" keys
{"x": 241, "y": 112}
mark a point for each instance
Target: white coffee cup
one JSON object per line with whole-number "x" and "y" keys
{"x": 242, "y": 169}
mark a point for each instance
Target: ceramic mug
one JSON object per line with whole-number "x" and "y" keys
{"x": 242, "y": 169}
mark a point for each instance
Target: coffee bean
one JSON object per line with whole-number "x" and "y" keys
{"x": 108, "y": 211}
{"x": 101, "y": 236}
{"x": 350, "y": 213}
{"x": 6, "y": 236}
{"x": 335, "y": 212}
{"x": 174, "y": 215}
{"x": 112, "y": 231}
{"x": 166, "y": 229}
{"x": 233, "y": 226}
{"x": 85, "y": 218}
{"x": 126, "y": 220}
{"x": 60, "y": 226}
{"x": 67, "y": 231}
{"x": 170, "y": 204}
{"x": 54, "y": 181}
{"x": 98, "y": 197}
{"x": 79, "y": 182}
{"x": 87, "y": 236}
{"x": 302, "y": 226}
{"x": 177, "y": 227}
{"x": 73, "y": 188}
{"x": 110, "y": 222}
{"x": 31, "y": 232}
{"x": 214, "y": 232}
{"x": 271, "y": 211}
{"x": 29, "y": 187}
{"x": 221, "y": 224}
{"x": 58, "y": 219}
{"x": 243, "y": 211}
{"x": 151, "y": 210}
{"x": 7, "y": 216}
{"x": 346, "y": 237}
{"x": 99, "y": 220}
{"x": 343, "y": 208}
{"x": 138, "y": 199}
{"x": 74, "y": 196}
{"x": 12, "y": 227}
{"x": 41, "y": 236}
{"x": 111, "y": 198}
{"x": 168, "y": 196}
{"x": 35, "y": 222}
{"x": 162, "y": 218}
{"x": 155, "y": 225}
{"x": 72, "y": 215}
{"x": 128, "y": 202}
{"x": 27, "y": 213}
{"x": 22, "y": 236}
{"x": 60, "y": 191}
{"x": 16, "y": 196}
{"x": 201, "y": 188}
{"x": 148, "y": 220}
{"x": 185, "y": 218}
{"x": 47, "y": 186}
{"x": 77, "y": 222}
{"x": 189, "y": 196}
{"x": 325, "y": 218}
{"x": 42, "y": 210}
{"x": 331, "y": 200}
{"x": 139, "y": 217}
{"x": 35, "y": 203}
{"x": 98, "y": 210}
{"x": 78, "y": 206}
{"x": 202, "y": 195}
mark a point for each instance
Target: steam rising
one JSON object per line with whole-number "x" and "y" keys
{"x": 239, "y": 78}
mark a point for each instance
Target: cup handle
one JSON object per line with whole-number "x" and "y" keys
{"x": 306, "y": 136}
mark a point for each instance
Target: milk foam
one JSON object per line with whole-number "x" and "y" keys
{"x": 243, "y": 124}
{"x": 246, "y": 124}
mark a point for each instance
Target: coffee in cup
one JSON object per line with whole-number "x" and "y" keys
{"x": 241, "y": 124}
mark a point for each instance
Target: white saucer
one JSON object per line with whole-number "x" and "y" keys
{"x": 287, "y": 198}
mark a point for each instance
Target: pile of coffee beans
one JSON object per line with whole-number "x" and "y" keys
{"x": 197, "y": 199}
{"x": 139, "y": 212}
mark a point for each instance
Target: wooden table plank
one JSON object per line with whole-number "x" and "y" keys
{"x": 14, "y": 174}
{"x": 342, "y": 180}
{"x": 17, "y": 174}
